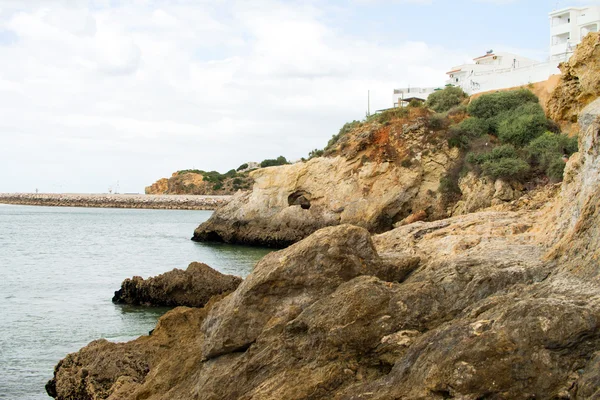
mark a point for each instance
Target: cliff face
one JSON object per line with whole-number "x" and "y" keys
{"x": 485, "y": 305}
{"x": 379, "y": 174}
{"x": 579, "y": 84}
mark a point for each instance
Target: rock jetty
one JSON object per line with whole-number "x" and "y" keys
{"x": 171, "y": 202}
{"x": 192, "y": 287}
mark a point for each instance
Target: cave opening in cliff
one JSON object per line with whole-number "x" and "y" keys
{"x": 300, "y": 198}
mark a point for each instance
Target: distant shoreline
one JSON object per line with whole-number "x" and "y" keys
{"x": 142, "y": 201}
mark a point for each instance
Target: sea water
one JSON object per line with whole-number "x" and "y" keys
{"x": 59, "y": 268}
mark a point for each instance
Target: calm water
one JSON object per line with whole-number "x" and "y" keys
{"x": 60, "y": 266}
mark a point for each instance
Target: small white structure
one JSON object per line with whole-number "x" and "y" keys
{"x": 497, "y": 70}
{"x": 403, "y": 95}
{"x": 568, "y": 27}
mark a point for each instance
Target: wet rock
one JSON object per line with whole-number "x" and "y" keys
{"x": 192, "y": 287}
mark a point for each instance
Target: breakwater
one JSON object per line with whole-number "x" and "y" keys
{"x": 174, "y": 202}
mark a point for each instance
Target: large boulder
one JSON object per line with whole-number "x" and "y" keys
{"x": 192, "y": 287}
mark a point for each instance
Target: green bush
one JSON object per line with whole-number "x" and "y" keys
{"x": 437, "y": 121}
{"x": 443, "y": 100}
{"x": 348, "y": 127}
{"x": 547, "y": 150}
{"x": 415, "y": 103}
{"x": 389, "y": 115}
{"x": 241, "y": 167}
{"x": 509, "y": 168}
{"x": 491, "y": 105}
{"x": 189, "y": 171}
{"x": 281, "y": 160}
{"x": 522, "y": 125}
{"x": 506, "y": 151}
{"x": 217, "y": 186}
{"x": 472, "y": 128}
{"x": 315, "y": 153}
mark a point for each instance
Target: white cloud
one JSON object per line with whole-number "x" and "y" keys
{"x": 94, "y": 93}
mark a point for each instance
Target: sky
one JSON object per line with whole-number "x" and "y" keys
{"x": 116, "y": 94}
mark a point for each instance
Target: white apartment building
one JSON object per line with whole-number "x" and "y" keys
{"x": 568, "y": 27}
{"x": 500, "y": 70}
{"x": 495, "y": 70}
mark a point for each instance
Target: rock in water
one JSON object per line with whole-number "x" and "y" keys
{"x": 192, "y": 287}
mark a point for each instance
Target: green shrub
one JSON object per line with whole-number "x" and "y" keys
{"x": 491, "y": 105}
{"x": 217, "y": 186}
{"x": 241, "y": 167}
{"x": 522, "y": 125}
{"x": 281, "y": 160}
{"x": 457, "y": 140}
{"x": 437, "y": 121}
{"x": 389, "y": 115}
{"x": 546, "y": 153}
{"x": 348, "y": 127}
{"x": 189, "y": 171}
{"x": 472, "y": 128}
{"x": 509, "y": 168}
{"x": 443, "y": 100}
{"x": 406, "y": 163}
{"x": 315, "y": 153}
{"x": 449, "y": 186}
{"x": 459, "y": 109}
{"x": 497, "y": 153}
{"x": 415, "y": 103}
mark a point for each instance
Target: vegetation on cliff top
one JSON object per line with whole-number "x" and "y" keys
{"x": 500, "y": 135}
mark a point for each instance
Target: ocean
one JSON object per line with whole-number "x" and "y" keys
{"x": 60, "y": 267}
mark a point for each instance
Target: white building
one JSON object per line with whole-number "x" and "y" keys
{"x": 568, "y": 27}
{"x": 404, "y": 95}
{"x": 496, "y": 70}
{"x": 499, "y": 70}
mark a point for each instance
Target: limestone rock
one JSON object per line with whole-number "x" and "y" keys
{"x": 192, "y": 287}
{"x": 494, "y": 304}
{"x": 161, "y": 186}
{"x": 480, "y": 192}
{"x": 579, "y": 84}
{"x": 381, "y": 175}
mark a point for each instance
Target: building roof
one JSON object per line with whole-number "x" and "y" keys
{"x": 566, "y": 9}
{"x": 409, "y": 99}
{"x": 486, "y": 56}
{"x": 454, "y": 70}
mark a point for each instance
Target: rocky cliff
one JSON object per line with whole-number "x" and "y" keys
{"x": 498, "y": 304}
{"x": 378, "y": 174}
{"x": 490, "y": 305}
{"x": 579, "y": 84}
{"x": 196, "y": 182}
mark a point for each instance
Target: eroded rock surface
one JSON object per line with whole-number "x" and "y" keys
{"x": 192, "y": 287}
{"x": 579, "y": 84}
{"x": 380, "y": 174}
{"x": 496, "y": 304}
